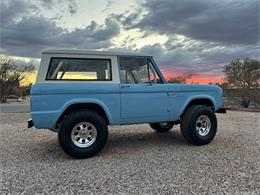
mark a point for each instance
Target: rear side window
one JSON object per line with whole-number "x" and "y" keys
{"x": 79, "y": 69}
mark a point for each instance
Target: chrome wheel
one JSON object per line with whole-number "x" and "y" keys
{"x": 203, "y": 125}
{"x": 84, "y": 134}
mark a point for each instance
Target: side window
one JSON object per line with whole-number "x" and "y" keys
{"x": 79, "y": 69}
{"x": 137, "y": 70}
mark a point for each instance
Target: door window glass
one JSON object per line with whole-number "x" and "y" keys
{"x": 137, "y": 70}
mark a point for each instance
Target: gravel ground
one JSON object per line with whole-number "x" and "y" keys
{"x": 135, "y": 160}
{"x": 15, "y": 108}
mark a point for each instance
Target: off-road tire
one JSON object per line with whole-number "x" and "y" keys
{"x": 161, "y": 128}
{"x": 188, "y": 125}
{"x": 74, "y": 118}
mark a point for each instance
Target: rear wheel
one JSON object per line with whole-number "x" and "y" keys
{"x": 199, "y": 125}
{"x": 162, "y": 127}
{"x": 83, "y": 134}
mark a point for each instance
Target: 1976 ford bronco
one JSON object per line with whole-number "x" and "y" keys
{"x": 79, "y": 93}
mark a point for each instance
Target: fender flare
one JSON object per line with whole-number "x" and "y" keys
{"x": 197, "y": 97}
{"x": 86, "y": 101}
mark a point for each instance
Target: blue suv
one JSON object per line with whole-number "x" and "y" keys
{"x": 79, "y": 93}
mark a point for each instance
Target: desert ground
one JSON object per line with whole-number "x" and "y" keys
{"x": 136, "y": 160}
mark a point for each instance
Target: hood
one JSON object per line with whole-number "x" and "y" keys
{"x": 194, "y": 87}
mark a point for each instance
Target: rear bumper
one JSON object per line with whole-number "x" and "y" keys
{"x": 30, "y": 123}
{"x": 221, "y": 110}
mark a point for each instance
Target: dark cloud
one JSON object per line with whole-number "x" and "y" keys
{"x": 212, "y": 32}
{"x": 230, "y": 21}
{"x": 197, "y": 57}
{"x": 93, "y": 36}
{"x": 202, "y": 35}
{"x": 71, "y": 5}
{"x": 11, "y": 10}
{"x": 47, "y": 3}
{"x": 29, "y": 35}
{"x": 108, "y": 5}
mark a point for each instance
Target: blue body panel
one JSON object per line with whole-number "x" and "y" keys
{"x": 144, "y": 102}
{"x": 49, "y": 101}
{"x": 123, "y": 103}
{"x": 182, "y": 94}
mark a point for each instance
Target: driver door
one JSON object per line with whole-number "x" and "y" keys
{"x": 144, "y": 96}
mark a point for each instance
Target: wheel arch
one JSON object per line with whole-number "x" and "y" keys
{"x": 95, "y": 105}
{"x": 203, "y": 100}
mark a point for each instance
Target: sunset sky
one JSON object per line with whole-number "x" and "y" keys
{"x": 184, "y": 36}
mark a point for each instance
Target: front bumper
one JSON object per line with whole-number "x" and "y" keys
{"x": 221, "y": 110}
{"x": 30, "y": 123}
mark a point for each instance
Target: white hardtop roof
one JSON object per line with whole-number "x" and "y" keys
{"x": 90, "y": 52}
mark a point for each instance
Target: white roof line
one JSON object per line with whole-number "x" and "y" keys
{"x": 90, "y": 52}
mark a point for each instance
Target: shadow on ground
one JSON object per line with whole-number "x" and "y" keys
{"x": 118, "y": 144}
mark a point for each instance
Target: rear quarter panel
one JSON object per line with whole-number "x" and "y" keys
{"x": 49, "y": 101}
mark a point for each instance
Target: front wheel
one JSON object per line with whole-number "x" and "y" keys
{"x": 162, "y": 127}
{"x": 199, "y": 125}
{"x": 83, "y": 134}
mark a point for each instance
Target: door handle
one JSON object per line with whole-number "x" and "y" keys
{"x": 125, "y": 86}
{"x": 148, "y": 84}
